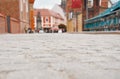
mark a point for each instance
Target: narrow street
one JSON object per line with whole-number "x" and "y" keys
{"x": 59, "y": 56}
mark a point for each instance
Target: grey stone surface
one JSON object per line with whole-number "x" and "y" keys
{"x": 59, "y": 56}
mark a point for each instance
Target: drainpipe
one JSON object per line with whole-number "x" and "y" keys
{"x": 86, "y": 9}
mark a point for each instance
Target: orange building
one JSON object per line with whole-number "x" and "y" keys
{"x": 32, "y": 26}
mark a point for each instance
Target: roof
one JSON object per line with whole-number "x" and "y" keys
{"x": 107, "y": 12}
{"x": 47, "y": 12}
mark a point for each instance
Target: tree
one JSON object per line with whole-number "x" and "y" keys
{"x": 63, "y": 27}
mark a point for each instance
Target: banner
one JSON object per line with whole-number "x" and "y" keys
{"x": 70, "y": 15}
{"x": 76, "y": 4}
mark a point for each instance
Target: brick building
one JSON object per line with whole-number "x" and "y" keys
{"x": 95, "y": 7}
{"x": 104, "y": 5}
{"x": 18, "y": 11}
{"x": 2, "y": 24}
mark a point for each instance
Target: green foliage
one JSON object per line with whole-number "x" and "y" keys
{"x": 62, "y": 26}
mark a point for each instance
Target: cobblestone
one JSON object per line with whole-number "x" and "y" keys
{"x": 59, "y": 56}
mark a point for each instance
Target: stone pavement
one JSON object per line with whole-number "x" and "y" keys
{"x": 59, "y": 56}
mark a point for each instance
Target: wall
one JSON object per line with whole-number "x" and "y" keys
{"x": 104, "y": 3}
{"x": 10, "y": 7}
{"x": 73, "y": 24}
{"x": 70, "y": 27}
{"x": 15, "y": 26}
{"x": 2, "y": 24}
{"x": 31, "y": 14}
{"x": 24, "y": 15}
{"x": 80, "y": 22}
{"x": 46, "y": 23}
{"x": 17, "y": 9}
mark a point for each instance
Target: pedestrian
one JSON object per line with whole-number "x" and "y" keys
{"x": 25, "y": 29}
{"x": 60, "y": 31}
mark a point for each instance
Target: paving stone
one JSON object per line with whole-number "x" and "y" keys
{"x": 59, "y": 56}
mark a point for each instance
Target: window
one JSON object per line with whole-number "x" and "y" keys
{"x": 46, "y": 19}
{"x": 23, "y": 1}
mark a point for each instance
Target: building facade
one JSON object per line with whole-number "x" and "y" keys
{"x": 57, "y": 8}
{"x": 24, "y": 14}
{"x": 74, "y": 18}
{"x": 17, "y": 9}
{"x": 50, "y": 19}
{"x": 94, "y": 7}
{"x": 63, "y": 4}
{"x": 2, "y": 24}
{"x": 88, "y": 9}
{"x": 104, "y": 5}
{"x": 108, "y": 20}
{"x": 31, "y": 14}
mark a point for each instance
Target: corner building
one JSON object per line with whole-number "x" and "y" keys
{"x": 17, "y": 9}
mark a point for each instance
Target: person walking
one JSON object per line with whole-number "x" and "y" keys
{"x": 25, "y": 29}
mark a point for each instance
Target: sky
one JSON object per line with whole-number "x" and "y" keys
{"x": 50, "y": 3}
{"x": 46, "y": 3}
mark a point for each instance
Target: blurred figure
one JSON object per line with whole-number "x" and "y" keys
{"x": 60, "y": 31}
{"x": 30, "y": 30}
{"x": 25, "y": 29}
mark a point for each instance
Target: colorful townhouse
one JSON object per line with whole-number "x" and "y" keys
{"x": 49, "y": 19}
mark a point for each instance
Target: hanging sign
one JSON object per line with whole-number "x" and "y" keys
{"x": 76, "y": 4}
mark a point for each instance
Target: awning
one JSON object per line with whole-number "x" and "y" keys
{"x": 54, "y": 28}
{"x": 106, "y": 12}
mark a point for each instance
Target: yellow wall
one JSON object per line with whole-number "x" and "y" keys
{"x": 80, "y": 23}
{"x": 71, "y": 24}
{"x": 70, "y": 27}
